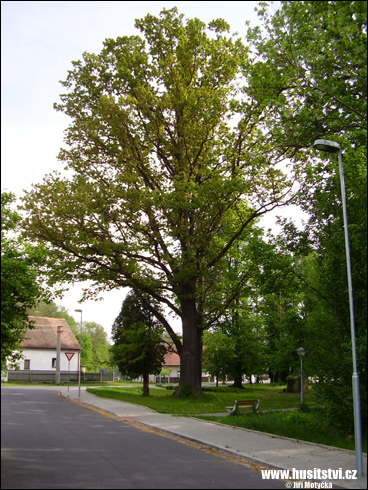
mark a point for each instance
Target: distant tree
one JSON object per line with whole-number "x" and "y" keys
{"x": 217, "y": 353}
{"x": 100, "y": 345}
{"x": 138, "y": 349}
{"x": 281, "y": 291}
{"x": 21, "y": 280}
{"x": 247, "y": 346}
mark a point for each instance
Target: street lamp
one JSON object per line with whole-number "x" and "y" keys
{"x": 333, "y": 147}
{"x": 301, "y": 354}
{"x": 80, "y": 352}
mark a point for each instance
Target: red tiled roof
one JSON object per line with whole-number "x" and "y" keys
{"x": 44, "y": 335}
{"x": 172, "y": 359}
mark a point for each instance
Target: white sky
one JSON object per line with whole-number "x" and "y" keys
{"x": 38, "y": 42}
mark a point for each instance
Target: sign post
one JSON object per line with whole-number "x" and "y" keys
{"x": 69, "y": 356}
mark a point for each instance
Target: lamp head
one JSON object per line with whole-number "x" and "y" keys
{"x": 301, "y": 352}
{"x": 327, "y": 145}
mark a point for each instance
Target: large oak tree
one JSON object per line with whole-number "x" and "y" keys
{"x": 167, "y": 169}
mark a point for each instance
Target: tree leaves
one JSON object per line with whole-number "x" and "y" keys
{"x": 22, "y": 275}
{"x": 138, "y": 348}
{"x": 155, "y": 165}
{"x": 314, "y": 54}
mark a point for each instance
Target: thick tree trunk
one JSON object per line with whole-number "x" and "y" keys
{"x": 146, "y": 385}
{"x": 191, "y": 352}
{"x": 238, "y": 381}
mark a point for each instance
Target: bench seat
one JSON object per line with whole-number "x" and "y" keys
{"x": 243, "y": 404}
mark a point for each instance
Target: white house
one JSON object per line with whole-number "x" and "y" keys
{"x": 39, "y": 346}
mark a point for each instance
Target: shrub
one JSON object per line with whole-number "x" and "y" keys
{"x": 185, "y": 391}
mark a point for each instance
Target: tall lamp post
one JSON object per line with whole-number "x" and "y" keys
{"x": 333, "y": 147}
{"x": 80, "y": 353}
{"x": 301, "y": 354}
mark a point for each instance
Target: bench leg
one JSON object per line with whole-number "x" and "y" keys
{"x": 234, "y": 409}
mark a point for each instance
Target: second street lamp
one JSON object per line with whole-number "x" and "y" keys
{"x": 334, "y": 147}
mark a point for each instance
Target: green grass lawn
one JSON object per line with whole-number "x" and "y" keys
{"x": 309, "y": 426}
{"x": 162, "y": 401}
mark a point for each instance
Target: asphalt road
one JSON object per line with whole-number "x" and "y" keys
{"x": 48, "y": 442}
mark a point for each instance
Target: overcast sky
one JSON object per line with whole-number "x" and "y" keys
{"x": 38, "y": 42}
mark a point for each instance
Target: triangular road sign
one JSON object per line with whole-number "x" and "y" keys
{"x": 69, "y": 355}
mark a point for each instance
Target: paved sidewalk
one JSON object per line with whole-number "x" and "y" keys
{"x": 264, "y": 449}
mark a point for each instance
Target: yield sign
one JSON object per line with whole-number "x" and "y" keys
{"x": 69, "y": 355}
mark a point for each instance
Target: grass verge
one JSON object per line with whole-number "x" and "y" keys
{"x": 310, "y": 427}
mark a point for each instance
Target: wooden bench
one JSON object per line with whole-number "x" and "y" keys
{"x": 242, "y": 404}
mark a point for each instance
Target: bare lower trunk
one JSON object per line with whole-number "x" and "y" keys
{"x": 146, "y": 385}
{"x": 238, "y": 381}
{"x": 191, "y": 353}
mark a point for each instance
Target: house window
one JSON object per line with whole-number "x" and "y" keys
{"x": 27, "y": 364}
{"x": 53, "y": 362}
